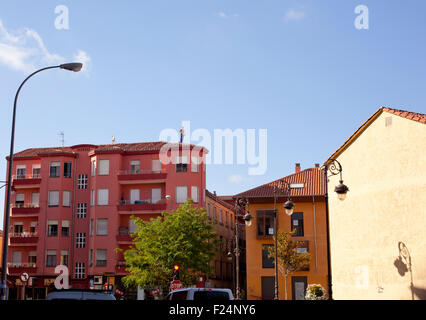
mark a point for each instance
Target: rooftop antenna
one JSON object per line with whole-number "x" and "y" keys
{"x": 113, "y": 139}
{"x": 63, "y": 137}
{"x": 182, "y": 134}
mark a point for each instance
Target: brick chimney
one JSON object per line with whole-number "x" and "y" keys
{"x": 316, "y": 165}
{"x": 297, "y": 167}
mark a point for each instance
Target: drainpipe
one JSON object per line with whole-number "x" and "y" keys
{"x": 71, "y": 260}
{"x": 315, "y": 234}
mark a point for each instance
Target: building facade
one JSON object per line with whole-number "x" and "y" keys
{"x": 223, "y": 214}
{"x": 377, "y": 233}
{"x": 307, "y": 192}
{"x": 72, "y": 206}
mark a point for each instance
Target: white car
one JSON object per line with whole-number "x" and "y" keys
{"x": 201, "y": 294}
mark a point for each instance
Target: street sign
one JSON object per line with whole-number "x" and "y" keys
{"x": 176, "y": 284}
{"x": 24, "y": 277}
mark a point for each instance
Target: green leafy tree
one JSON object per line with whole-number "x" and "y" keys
{"x": 289, "y": 260}
{"x": 184, "y": 237}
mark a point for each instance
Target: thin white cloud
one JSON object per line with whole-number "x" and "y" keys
{"x": 224, "y": 15}
{"x": 84, "y": 58}
{"x": 236, "y": 178}
{"x": 24, "y": 50}
{"x": 294, "y": 15}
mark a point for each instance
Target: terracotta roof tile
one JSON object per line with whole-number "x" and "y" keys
{"x": 419, "y": 117}
{"x": 313, "y": 180}
{"x": 126, "y": 147}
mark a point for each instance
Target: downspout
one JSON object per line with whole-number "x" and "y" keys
{"x": 315, "y": 234}
{"x": 73, "y": 222}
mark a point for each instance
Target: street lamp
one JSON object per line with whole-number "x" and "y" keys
{"x": 75, "y": 67}
{"x": 240, "y": 205}
{"x": 335, "y": 168}
{"x": 289, "y": 208}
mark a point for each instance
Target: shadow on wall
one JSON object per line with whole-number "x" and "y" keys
{"x": 403, "y": 265}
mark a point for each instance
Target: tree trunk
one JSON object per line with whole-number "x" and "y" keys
{"x": 285, "y": 286}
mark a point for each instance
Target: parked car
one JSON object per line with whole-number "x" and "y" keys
{"x": 80, "y": 295}
{"x": 201, "y": 294}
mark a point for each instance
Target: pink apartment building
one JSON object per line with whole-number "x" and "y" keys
{"x": 72, "y": 206}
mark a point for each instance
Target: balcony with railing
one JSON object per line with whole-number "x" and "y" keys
{"x": 141, "y": 206}
{"x": 24, "y": 238}
{"x": 25, "y": 208}
{"x": 19, "y": 268}
{"x": 139, "y": 176}
{"x": 124, "y": 236}
{"x": 26, "y": 180}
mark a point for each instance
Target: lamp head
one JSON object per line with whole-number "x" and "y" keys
{"x": 74, "y": 66}
{"x": 341, "y": 190}
{"x": 247, "y": 219}
{"x": 289, "y": 207}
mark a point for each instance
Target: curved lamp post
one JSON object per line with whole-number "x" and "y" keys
{"x": 240, "y": 205}
{"x": 67, "y": 66}
{"x": 335, "y": 168}
{"x": 289, "y": 208}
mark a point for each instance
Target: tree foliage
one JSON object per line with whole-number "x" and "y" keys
{"x": 184, "y": 237}
{"x": 289, "y": 260}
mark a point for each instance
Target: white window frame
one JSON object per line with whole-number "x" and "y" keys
{"x": 82, "y": 181}
{"x": 80, "y": 270}
{"x": 179, "y": 197}
{"x": 80, "y": 240}
{"x": 66, "y": 198}
{"x": 93, "y": 167}
{"x": 92, "y": 197}
{"x": 101, "y": 255}
{"x": 103, "y": 197}
{"x": 81, "y": 210}
{"x": 103, "y": 167}
{"x": 135, "y": 166}
{"x": 102, "y": 227}
{"x": 156, "y": 165}
{"x": 135, "y": 195}
{"x": 194, "y": 164}
{"x": 53, "y": 201}
{"x": 194, "y": 194}
{"x": 155, "y": 195}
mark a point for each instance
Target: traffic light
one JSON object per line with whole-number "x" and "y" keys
{"x": 176, "y": 272}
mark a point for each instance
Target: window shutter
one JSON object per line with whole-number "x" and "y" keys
{"x": 20, "y": 197}
{"x": 53, "y": 198}
{"x": 102, "y": 197}
{"x": 194, "y": 193}
{"x": 101, "y": 227}
{"x": 66, "y": 198}
{"x": 156, "y": 165}
{"x": 155, "y": 195}
{"x": 103, "y": 167}
{"x": 181, "y": 194}
{"x": 65, "y": 224}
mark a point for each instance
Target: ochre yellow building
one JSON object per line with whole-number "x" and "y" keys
{"x": 307, "y": 193}
{"x": 378, "y": 240}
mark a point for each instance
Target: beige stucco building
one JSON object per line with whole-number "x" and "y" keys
{"x": 381, "y": 225}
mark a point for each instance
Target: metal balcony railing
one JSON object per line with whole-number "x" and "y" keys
{"x": 21, "y": 265}
{"x": 23, "y": 234}
{"x": 26, "y": 176}
{"x": 140, "y": 171}
{"x": 25, "y": 205}
{"x": 135, "y": 202}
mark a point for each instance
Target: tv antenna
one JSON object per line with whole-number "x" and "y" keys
{"x": 62, "y": 137}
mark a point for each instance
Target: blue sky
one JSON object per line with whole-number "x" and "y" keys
{"x": 299, "y": 69}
